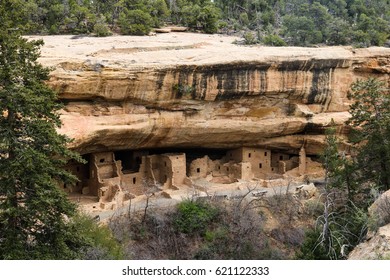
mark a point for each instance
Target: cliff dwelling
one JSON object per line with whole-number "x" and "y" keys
{"x": 214, "y": 118}
{"x": 113, "y": 177}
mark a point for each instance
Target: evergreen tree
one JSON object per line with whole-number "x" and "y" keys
{"x": 370, "y": 121}
{"x": 35, "y": 213}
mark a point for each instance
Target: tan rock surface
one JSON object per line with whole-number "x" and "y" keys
{"x": 195, "y": 90}
{"x": 377, "y": 244}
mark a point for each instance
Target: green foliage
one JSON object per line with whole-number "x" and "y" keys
{"x": 297, "y": 22}
{"x": 311, "y": 248}
{"x": 340, "y": 175}
{"x": 273, "y": 40}
{"x": 101, "y": 28}
{"x": 135, "y": 22}
{"x": 300, "y": 30}
{"x": 350, "y": 182}
{"x": 304, "y": 22}
{"x": 32, "y": 206}
{"x": 100, "y": 240}
{"x": 193, "y": 217}
{"x": 370, "y": 122}
{"x": 336, "y": 233}
{"x": 250, "y": 38}
{"x": 181, "y": 90}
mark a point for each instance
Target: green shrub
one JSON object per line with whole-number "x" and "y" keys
{"x": 193, "y": 217}
{"x": 274, "y": 40}
{"x": 311, "y": 248}
{"x": 102, "y": 244}
{"x": 249, "y": 38}
{"x": 101, "y": 29}
{"x": 135, "y": 22}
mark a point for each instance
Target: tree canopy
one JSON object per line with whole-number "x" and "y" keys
{"x": 361, "y": 23}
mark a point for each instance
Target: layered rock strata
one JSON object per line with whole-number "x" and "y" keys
{"x": 202, "y": 91}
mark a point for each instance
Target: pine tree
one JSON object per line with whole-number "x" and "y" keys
{"x": 370, "y": 122}
{"x": 34, "y": 211}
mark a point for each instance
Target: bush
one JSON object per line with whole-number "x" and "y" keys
{"x": 101, "y": 30}
{"x": 135, "y": 22}
{"x": 193, "y": 217}
{"x": 249, "y": 38}
{"x": 274, "y": 40}
{"x": 311, "y": 248}
{"x": 102, "y": 244}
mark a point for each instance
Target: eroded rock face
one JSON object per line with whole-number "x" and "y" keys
{"x": 165, "y": 92}
{"x": 377, "y": 243}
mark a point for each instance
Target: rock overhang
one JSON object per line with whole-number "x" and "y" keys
{"x": 142, "y": 93}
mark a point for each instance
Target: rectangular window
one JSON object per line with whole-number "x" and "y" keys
{"x": 260, "y": 165}
{"x": 198, "y": 170}
{"x": 134, "y": 180}
{"x": 265, "y": 154}
{"x": 249, "y": 155}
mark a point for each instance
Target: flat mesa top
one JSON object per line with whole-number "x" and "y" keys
{"x": 170, "y": 49}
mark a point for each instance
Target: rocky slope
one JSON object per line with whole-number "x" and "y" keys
{"x": 201, "y": 91}
{"x": 377, "y": 242}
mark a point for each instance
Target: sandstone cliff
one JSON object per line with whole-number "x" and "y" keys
{"x": 202, "y": 91}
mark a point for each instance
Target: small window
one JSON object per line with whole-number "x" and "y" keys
{"x": 165, "y": 163}
{"x": 272, "y": 169}
{"x": 260, "y": 165}
{"x": 134, "y": 180}
{"x": 219, "y": 167}
{"x": 64, "y": 186}
{"x": 198, "y": 170}
{"x": 177, "y": 157}
{"x": 281, "y": 158}
{"x": 265, "y": 154}
{"x": 227, "y": 168}
{"x": 249, "y": 155}
{"x": 101, "y": 160}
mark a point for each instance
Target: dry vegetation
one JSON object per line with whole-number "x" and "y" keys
{"x": 241, "y": 228}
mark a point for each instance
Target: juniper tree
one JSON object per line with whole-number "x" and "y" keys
{"x": 33, "y": 210}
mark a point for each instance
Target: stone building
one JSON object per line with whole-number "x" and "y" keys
{"x": 109, "y": 175}
{"x": 105, "y": 176}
